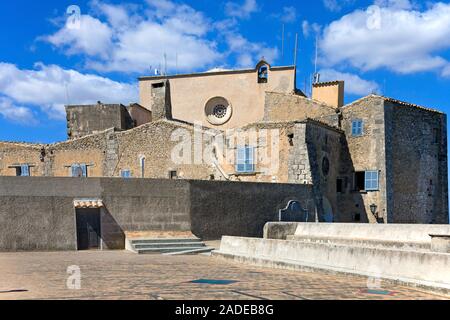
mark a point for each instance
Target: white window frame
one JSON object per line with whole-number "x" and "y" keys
{"x": 371, "y": 180}
{"x": 245, "y": 162}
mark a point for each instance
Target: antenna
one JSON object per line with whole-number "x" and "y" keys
{"x": 295, "y": 50}
{"x": 295, "y": 60}
{"x": 282, "y": 42}
{"x": 165, "y": 64}
{"x": 315, "y": 60}
{"x": 176, "y": 62}
{"x": 316, "y": 76}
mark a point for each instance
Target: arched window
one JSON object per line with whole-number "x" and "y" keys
{"x": 263, "y": 74}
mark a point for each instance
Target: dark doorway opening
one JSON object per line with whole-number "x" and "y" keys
{"x": 88, "y": 229}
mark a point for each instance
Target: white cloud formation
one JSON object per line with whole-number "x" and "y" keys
{"x": 336, "y": 5}
{"x": 49, "y": 88}
{"x": 132, "y": 40}
{"x": 394, "y": 36}
{"x": 308, "y": 27}
{"x": 93, "y": 38}
{"x": 289, "y": 14}
{"x": 248, "y": 53}
{"x": 446, "y": 71}
{"x": 354, "y": 84}
{"x": 243, "y": 10}
{"x": 16, "y": 113}
{"x": 396, "y": 4}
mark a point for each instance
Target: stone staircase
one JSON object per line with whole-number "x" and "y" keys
{"x": 168, "y": 246}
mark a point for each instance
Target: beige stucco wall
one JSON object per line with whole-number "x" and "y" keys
{"x": 190, "y": 93}
{"x": 331, "y": 94}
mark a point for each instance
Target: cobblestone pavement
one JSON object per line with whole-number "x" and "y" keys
{"x": 125, "y": 275}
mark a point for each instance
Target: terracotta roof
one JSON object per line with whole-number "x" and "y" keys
{"x": 88, "y": 203}
{"x": 327, "y": 83}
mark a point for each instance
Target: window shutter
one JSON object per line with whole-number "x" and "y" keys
{"x": 84, "y": 169}
{"x": 24, "y": 170}
{"x": 74, "y": 170}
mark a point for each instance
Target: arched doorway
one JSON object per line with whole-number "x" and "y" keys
{"x": 327, "y": 210}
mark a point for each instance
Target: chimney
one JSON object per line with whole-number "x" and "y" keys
{"x": 331, "y": 93}
{"x": 161, "y": 106}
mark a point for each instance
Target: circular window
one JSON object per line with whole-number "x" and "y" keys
{"x": 218, "y": 110}
{"x": 325, "y": 166}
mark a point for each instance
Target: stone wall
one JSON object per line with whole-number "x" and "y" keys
{"x": 39, "y": 214}
{"x": 290, "y": 107}
{"x": 88, "y": 119}
{"x": 367, "y": 152}
{"x": 315, "y": 159}
{"x": 419, "y": 166}
{"x": 232, "y": 208}
{"x": 12, "y": 154}
{"x": 109, "y": 152}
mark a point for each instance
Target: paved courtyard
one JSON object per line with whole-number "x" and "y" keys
{"x": 124, "y": 275}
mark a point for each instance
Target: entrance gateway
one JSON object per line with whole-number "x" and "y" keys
{"x": 88, "y": 225}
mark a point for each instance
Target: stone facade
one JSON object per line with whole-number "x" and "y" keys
{"x": 88, "y": 119}
{"x": 241, "y": 90}
{"x": 375, "y": 154}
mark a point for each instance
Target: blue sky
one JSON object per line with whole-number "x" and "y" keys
{"x": 49, "y": 58}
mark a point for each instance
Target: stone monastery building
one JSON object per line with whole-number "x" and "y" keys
{"x": 376, "y": 159}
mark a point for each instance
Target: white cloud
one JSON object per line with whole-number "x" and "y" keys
{"x": 289, "y": 14}
{"x": 130, "y": 40}
{"x": 336, "y": 5}
{"x": 138, "y": 38}
{"x": 16, "y": 113}
{"x": 394, "y": 36}
{"x": 354, "y": 84}
{"x": 93, "y": 38}
{"x": 243, "y": 10}
{"x": 49, "y": 88}
{"x": 446, "y": 71}
{"x": 248, "y": 53}
{"x": 307, "y": 28}
{"x": 396, "y": 4}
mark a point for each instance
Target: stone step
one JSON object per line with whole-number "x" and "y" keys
{"x": 190, "y": 252}
{"x": 164, "y": 240}
{"x": 160, "y": 250}
{"x": 167, "y": 245}
{"x": 422, "y": 246}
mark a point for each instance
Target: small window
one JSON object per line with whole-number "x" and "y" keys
{"x": 173, "y": 174}
{"x": 339, "y": 185}
{"x": 158, "y": 85}
{"x": 263, "y": 74}
{"x": 359, "y": 181}
{"x": 245, "y": 160}
{"x": 125, "y": 173}
{"x": 79, "y": 170}
{"x": 357, "y": 128}
{"x": 23, "y": 170}
{"x": 366, "y": 181}
{"x": 371, "y": 180}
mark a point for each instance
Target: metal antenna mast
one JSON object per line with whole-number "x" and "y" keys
{"x": 282, "y": 42}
